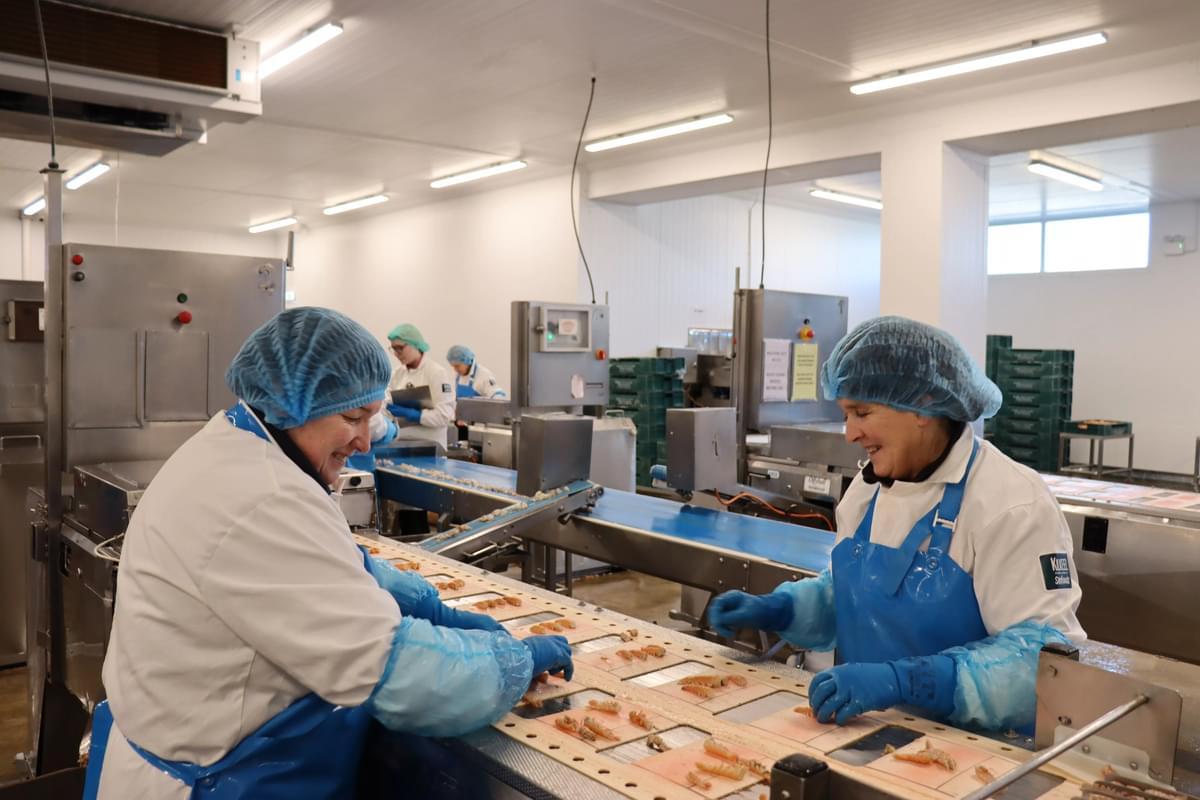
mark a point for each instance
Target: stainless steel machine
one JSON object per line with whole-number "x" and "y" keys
{"x": 809, "y": 462}
{"x": 137, "y": 344}
{"x": 781, "y": 342}
{"x": 22, "y": 432}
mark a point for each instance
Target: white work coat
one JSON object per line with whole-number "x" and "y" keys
{"x": 434, "y": 421}
{"x": 1010, "y": 537}
{"x": 240, "y": 591}
{"x": 482, "y": 380}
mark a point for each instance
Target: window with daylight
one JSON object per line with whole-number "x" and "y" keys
{"x": 1077, "y": 244}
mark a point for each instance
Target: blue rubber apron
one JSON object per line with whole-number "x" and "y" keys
{"x": 311, "y": 749}
{"x": 898, "y": 602}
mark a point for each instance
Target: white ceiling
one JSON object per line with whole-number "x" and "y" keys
{"x": 422, "y": 88}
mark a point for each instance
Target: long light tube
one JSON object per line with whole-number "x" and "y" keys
{"x": 623, "y": 139}
{"x": 34, "y": 207}
{"x": 272, "y": 225}
{"x": 1065, "y": 175}
{"x": 304, "y": 45}
{"x": 976, "y": 63}
{"x": 351, "y": 205}
{"x": 88, "y": 175}
{"x": 848, "y": 199}
{"x": 476, "y": 174}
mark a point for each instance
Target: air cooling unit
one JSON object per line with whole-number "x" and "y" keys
{"x": 121, "y": 82}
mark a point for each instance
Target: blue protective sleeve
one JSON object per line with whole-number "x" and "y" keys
{"x": 413, "y": 594}
{"x": 448, "y": 682}
{"x": 996, "y": 677}
{"x": 814, "y": 623}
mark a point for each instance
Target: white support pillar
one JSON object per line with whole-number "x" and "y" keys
{"x": 933, "y": 259}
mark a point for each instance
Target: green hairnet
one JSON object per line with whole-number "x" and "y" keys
{"x": 407, "y": 333}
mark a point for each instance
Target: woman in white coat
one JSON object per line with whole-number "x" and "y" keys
{"x": 252, "y": 639}
{"x": 953, "y": 563}
{"x": 417, "y": 369}
{"x": 474, "y": 379}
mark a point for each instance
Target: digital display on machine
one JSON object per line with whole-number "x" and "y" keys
{"x": 565, "y": 330}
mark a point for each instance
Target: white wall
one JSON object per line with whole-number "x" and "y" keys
{"x": 670, "y": 266}
{"x": 32, "y": 265}
{"x": 1134, "y": 334}
{"x": 451, "y": 268}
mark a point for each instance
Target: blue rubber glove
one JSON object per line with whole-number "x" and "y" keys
{"x": 842, "y": 693}
{"x": 439, "y": 613}
{"x": 551, "y": 654}
{"x": 405, "y": 413}
{"x": 735, "y": 610}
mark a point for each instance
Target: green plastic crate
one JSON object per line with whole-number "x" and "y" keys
{"x": 1007, "y": 371}
{"x": 634, "y": 367}
{"x": 1060, "y": 412}
{"x": 645, "y": 384}
{"x": 1098, "y": 427}
{"x": 1048, "y": 399}
{"x": 1050, "y": 383}
{"x": 1038, "y": 357}
{"x": 1039, "y": 427}
{"x": 999, "y": 340}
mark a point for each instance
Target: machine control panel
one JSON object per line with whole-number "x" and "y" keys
{"x": 565, "y": 329}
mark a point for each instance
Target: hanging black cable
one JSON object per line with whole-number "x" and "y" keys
{"x": 37, "y": 7}
{"x": 574, "y": 169}
{"x": 766, "y": 164}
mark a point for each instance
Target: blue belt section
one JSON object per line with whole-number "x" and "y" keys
{"x": 784, "y": 543}
{"x": 781, "y": 542}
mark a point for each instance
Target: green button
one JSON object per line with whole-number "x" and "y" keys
{"x": 181, "y": 297}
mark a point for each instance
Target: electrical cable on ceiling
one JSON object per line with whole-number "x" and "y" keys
{"x": 767, "y": 163}
{"x": 37, "y": 7}
{"x": 574, "y": 169}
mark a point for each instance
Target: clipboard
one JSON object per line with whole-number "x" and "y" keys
{"x": 416, "y": 397}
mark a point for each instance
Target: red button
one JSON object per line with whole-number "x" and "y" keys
{"x": 183, "y": 317}
{"x": 600, "y": 354}
{"x": 77, "y": 259}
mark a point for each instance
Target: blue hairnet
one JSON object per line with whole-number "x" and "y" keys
{"x": 909, "y": 365}
{"x": 306, "y": 363}
{"x": 407, "y": 333}
{"x": 460, "y": 354}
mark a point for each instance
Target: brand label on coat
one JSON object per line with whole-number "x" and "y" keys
{"x": 445, "y": 388}
{"x": 1056, "y": 571}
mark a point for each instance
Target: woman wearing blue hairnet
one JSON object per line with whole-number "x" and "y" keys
{"x": 953, "y": 563}
{"x": 252, "y": 640}
{"x": 418, "y": 369}
{"x": 474, "y": 379}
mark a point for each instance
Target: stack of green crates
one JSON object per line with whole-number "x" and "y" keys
{"x": 643, "y": 389}
{"x": 996, "y": 344}
{"x": 1037, "y": 387}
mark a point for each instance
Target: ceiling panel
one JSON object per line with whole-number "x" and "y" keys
{"x": 421, "y": 88}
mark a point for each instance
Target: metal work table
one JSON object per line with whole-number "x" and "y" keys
{"x": 1095, "y": 466}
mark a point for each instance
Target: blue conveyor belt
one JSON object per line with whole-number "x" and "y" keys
{"x": 781, "y": 542}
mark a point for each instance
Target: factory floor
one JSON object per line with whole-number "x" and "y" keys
{"x": 631, "y": 593}
{"x": 13, "y": 713}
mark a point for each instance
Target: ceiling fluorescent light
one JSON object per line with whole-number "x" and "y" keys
{"x": 272, "y": 225}
{"x": 351, "y": 205}
{"x": 1065, "y": 175}
{"x": 1036, "y": 49}
{"x": 622, "y": 139}
{"x": 476, "y": 174}
{"x": 848, "y": 199}
{"x": 304, "y": 45}
{"x": 88, "y": 175}
{"x": 34, "y": 207}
